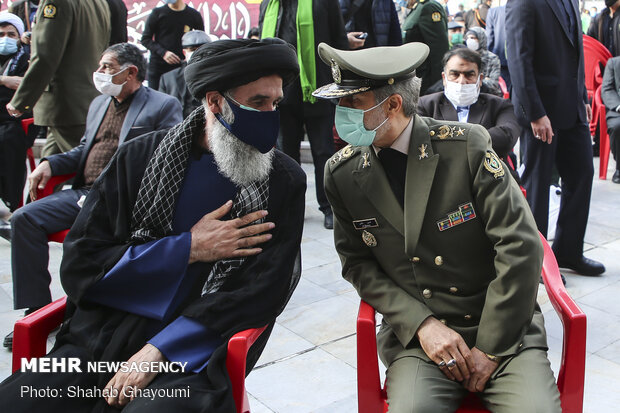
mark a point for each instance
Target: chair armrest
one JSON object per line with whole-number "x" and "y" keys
{"x": 30, "y": 333}
{"x": 572, "y": 366}
{"x": 52, "y": 183}
{"x": 238, "y": 347}
{"x": 370, "y": 395}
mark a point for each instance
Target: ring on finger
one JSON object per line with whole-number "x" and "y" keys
{"x": 442, "y": 364}
{"x": 451, "y": 363}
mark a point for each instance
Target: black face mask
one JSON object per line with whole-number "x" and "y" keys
{"x": 610, "y": 3}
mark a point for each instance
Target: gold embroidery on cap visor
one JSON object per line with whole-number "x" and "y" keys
{"x": 334, "y": 91}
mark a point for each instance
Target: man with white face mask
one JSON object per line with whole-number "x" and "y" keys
{"x": 125, "y": 109}
{"x": 462, "y": 101}
{"x": 437, "y": 238}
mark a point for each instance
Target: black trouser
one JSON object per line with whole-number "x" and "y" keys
{"x": 571, "y": 152}
{"x": 613, "y": 129}
{"x": 30, "y": 226}
{"x": 319, "y": 128}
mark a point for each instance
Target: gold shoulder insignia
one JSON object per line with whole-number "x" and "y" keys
{"x": 493, "y": 165}
{"x": 342, "y": 155}
{"x": 436, "y": 16}
{"x": 49, "y": 11}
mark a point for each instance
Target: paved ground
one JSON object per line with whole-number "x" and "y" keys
{"x": 309, "y": 362}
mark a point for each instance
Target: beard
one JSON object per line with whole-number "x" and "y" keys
{"x": 235, "y": 159}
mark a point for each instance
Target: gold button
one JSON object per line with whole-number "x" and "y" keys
{"x": 415, "y": 259}
{"x": 427, "y": 293}
{"x": 521, "y": 345}
{"x": 443, "y": 321}
{"x": 454, "y": 290}
{"x": 439, "y": 260}
{"x": 467, "y": 316}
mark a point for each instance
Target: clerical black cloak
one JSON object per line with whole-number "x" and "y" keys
{"x": 252, "y": 297}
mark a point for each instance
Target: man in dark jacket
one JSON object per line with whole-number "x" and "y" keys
{"x": 462, "y": 101}
{"x": 173, "y": 82}
{"x": 320, "y": 21}
{"x": 125, "y": 110}
{"x": 118, "y": 21}
{"x": 377, "y": 18}
{"x": 611, "y": 99}
{"x": 604, "y": 27}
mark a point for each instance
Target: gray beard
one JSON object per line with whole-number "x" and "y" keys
{"x": 235, "y": 159}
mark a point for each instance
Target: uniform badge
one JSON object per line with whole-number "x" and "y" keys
{"x": 336, "y": 75}
{"x": 369, "y": 239}
{"x": 186, "y": 29}
{"x": 423, "y": 153}
{"x": 463, "y": 214}
{"x": 365, "y": 223}
{"x": 444, "y": 132}
{"x": 366, "y": 163}
{"x": 346, "y": 152}
{"x": 460, "y": 132}
{"x": 436, "y": 16}
{"x": 49, "y": 11}
{"x": 493, "y": 164}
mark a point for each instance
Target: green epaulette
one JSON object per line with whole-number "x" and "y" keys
{"x": 449, "y": 130}
{"x": 344, "y": 154}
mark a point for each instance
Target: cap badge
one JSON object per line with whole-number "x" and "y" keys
{"x": 336, "y": 72}
{"x": 369, "y": 239}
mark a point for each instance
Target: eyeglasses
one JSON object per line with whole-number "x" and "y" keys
{"x": 454, "y": 75}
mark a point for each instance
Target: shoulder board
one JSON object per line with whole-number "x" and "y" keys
{"x": 449, "y": 131}
{"x": 344, "y": 154}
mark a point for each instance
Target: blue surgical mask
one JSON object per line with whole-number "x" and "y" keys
{"x": 350, "y": 125}
{"x": 8, "y": 46}
{"x": 254, "y": 127}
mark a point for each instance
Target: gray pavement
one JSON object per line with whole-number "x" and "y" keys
{"x": 309, "y": 362}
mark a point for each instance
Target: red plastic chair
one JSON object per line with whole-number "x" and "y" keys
{"x": 31, "y": 332}
{"x": 372, "y": 398}
{"x": 603, "y": 135}
{"x": 595, "y": 56}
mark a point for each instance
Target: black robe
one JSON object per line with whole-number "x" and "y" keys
{"x": 252, "y": 297}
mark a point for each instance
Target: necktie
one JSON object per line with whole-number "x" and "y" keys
{"x": 459, "y": 109}
{"x": 395, "y": 166}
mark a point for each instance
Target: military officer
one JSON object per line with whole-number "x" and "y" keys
{"x": 427, "y": 23}
{"x": 67, "y": 41}
{"x": 436, "y": 236}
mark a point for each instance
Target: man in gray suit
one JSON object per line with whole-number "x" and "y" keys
{"x": 125, "y": 110}
{"x": 611, "y": 99}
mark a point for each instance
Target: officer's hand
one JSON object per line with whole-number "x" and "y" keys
{"x": 122, "y": 387}
{"x": 442, "y": 344}
{"x": 542, "y": 129}
{"x": 354, "y": 42}
{"x": 484, "y": 369}
{"x": 171, "y": 58}
{"x": 38, "y": 178}
{"x": 213, "y": 240}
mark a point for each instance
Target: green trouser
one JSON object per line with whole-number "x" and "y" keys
{"x": 62, "y": 139}
{"x": 523, "y": 383}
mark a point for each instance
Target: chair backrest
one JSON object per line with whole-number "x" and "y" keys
{"x": 595, "y": 56}
{"x": 503, "y": 87}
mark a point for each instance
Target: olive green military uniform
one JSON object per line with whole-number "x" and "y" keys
{"x": 464, "y": 249}
{"x": 67, "y": 42}
{"x": 427, "y": 24}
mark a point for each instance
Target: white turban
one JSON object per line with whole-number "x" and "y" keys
{"x": 6, "y": 17}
